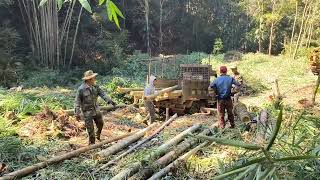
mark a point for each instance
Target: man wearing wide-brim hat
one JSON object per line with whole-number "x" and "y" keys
{"x": 86, "y": 103}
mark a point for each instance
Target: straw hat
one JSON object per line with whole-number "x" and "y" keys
{"x": 89, "y": 75}
{"x": 234, "y": 67}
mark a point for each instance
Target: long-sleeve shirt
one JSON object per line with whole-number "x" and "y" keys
{"x": 86, "y": 99}
{"x": 222, "y": 85}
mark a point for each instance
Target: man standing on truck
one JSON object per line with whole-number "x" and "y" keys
{"x": 237, "y": 91}
{"x": 222, "y": 86}
{"x": 86, "y": 103}
{"x": 148, "y": 103}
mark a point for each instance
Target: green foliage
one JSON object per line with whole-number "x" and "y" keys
{"x": 111, "y": 9}
{"x": 50, "y": 78}
{"x": 217, "y": 46}
{"x": 6, "y": 128}
{"x": 112, "y": 85}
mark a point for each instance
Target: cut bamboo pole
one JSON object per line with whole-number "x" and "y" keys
{"x": 139, "y": 143}
{"x": 174, "y": 164}
{"x": 167, "y": 158}
{"x": 158, "y": 93}
{"x": 122, "y": 144}
{"x": 70, "y": 112}
{"x": 30, "y": 169}
{"x": 156, "y": 154}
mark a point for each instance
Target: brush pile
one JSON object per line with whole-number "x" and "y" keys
{"x": 53, "y": 124}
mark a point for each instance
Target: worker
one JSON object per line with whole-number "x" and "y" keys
{"x": 237, "y": 91}
{"x": 222, "y": 86}
{"x": 86, "y": 104}
{"x": 150, "y": 90}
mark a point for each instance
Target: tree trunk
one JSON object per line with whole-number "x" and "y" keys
{"x": 30, "y": 169}
{"x": 293, "y": 27}
{"x": 175, "y": 163}
{"x": 160, "y": 25}
{"x": 102, "y": 155}
{"x": 315, "y": 90}
{"x": 156, "y": 154}
{"x": 300, "y": 32}
{"x": 271, "y": 38}
{"x": 167, "y": 158}
{"x": 139, "y": 143}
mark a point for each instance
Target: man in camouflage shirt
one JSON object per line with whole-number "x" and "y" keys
{"x": 86, "y": 103}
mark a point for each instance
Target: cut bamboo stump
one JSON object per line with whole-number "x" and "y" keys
{"x": 262, "y": 126}
{"x": 70, "y": 112}
{"x": 167, "y": 158}
{"x": 175, "y": 163}
{"x": 158, "y": 93}
{"x": 156, "y": 154}
{"x": 241, "y": 112}
{"x": 122, "y": 144}
{"x": 139, "y": 143}
{"x": 31, "y": 169}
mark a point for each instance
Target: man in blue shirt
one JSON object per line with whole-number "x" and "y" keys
{"x": 222, "y": 86}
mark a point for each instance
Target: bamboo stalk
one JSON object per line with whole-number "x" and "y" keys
{"x": 139, "y": 144}
{"x": 75, "y": 37}
{"x": 122, "y": 144}
{"x": 30, "y": 169}
{"x": 154, "y": 155}
{"x": 166, "y": 90}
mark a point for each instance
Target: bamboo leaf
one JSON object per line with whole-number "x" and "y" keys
{"x": 222, "y": 176}
{"x": 229, "y": 142}
{"x": 109, "y": 11}
{"x": 60, "y": 3}
{"x": 101, "y": 2}
{"x": 114, "y": 14}
{"x": 42, "y": 2}
{"x": 270, "y": 173}
{"x": 246, "y": 172}
{"x": 276, "y": 130}
{"x": 254, "y": 161}
{"x": 116, "y": 9}
{"x": 85, "y": 4}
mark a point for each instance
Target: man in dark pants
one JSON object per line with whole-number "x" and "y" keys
{"x": 222, "y": 86}
{"x": 86, "y": 103}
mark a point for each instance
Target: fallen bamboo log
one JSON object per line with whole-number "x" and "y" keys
{"x": 126, "y": 90}
{"x": 167, "y": 158}
{"x": 30, "y": 169}
{"x": 241, "y": 112}
{"x": 139, "y": 144}
{"x": 156, "y": 154}
{"x": 158, "y": 93}
{"x": 172, "y": 165}
{"x": 122, "y": 144}
{"x": 70, "y": 112}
